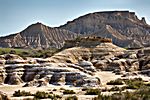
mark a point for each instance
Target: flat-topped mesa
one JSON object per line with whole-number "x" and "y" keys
{"x": 118, "y": 15}
{"x": 86, "y": 42}
{"x": 117, "y": 12}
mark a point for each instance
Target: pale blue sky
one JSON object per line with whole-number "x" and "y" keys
{"x": 16, "y": 15}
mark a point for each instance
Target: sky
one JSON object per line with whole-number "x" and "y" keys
{"x": 16, "y": 15}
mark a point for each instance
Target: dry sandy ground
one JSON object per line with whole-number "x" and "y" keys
{"x": 105, "y": 76}
{"x": 9, "y": 89}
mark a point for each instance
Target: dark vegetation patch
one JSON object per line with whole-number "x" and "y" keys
{"x": 68, "y": 92}
{"x": 115, "y": 82}
{"x": 93, "y": 91}
{"x": 30, "y": 52}
{"x": 72, "y": 98}
{"x": 38, "y": 95}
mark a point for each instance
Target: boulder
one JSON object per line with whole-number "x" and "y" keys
{"x": 146, "y": 67}
{"x": 13, "y": 79}
{"x": 133, "y": 56}
{"x": 2, "y": 60}
{"x": 12, "y": 57}
{"x": 133, "y": 65}
{"x": 87, "y": 65}
{"x": 100, "y": 64}
{"x": 2, "y": 74}
{"x": 4, "y": 96}
{"x": 58, "y": 79}
{"x": 117, "y": 64}
{"x": 88, "y": 82}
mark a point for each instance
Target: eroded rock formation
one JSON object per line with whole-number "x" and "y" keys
{"x": 43, "y": 73}
{"x": 123, "y": 27}
{"x": 37, "y": 36}
{"x": 73, "y": 66}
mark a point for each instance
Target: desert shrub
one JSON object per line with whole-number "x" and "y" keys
{"x": 12, "y": 52}
{"x": 42, "y": 95}
{"x": 21, "y": 93}
{"x": 84, "y": 89}
{"x": 115, "y": 88}
{"x": 57, "y": 96}
{"x": 68, "y": 92}
{"x": 38, "y": 95}
{"x": 72, "y": 98}
{"x": 115, "y": 82}
{"x": 140, "y": 94}
{"x": 92, "y": 92}
{"x": 102, "y": 97}
{"x": 62, "y": 89}
{"x": 54, "y": 89}
{"x": 132, "y": 86}
{"x": 147, "y": 84}
{"x": 134, "y": 83}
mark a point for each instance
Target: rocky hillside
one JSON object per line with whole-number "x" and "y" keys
{"x": 89, "y": 49}
{"x": 76, "y": 66}
{"x": 124, "y": 27}
{"x": 37, "y": 36}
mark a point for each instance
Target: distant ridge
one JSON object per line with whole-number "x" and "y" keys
{"x": 37, "y": 36}
{"x": 124, "y": 27}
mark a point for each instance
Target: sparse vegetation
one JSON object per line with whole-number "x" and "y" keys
{"x": 21, "y": 93}
{"x": 92, "y": 92}
{"x": 134, "y": 83}
{"x": 68, "y": 92}
{"x": 140, "y": 94}
{"x": 29, "y": 52}
{"x": 115, "y": 88}
{"x": 43, "y": 95}
{"x": 115, "y": 82}
{"x": 54, "y": 89}
{"x": 62, "y": 89}
{"x": 37, "y": 95}
{"x": 72, "y": 98}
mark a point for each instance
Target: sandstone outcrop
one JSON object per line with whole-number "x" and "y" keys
{"x": 100, "y": 50}
{"x": 43, "y": 72}
{"x": 4, "y": 96}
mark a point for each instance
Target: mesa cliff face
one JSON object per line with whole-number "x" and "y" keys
{"x": 37, "y": 36}
{"x": 123, "y": 27}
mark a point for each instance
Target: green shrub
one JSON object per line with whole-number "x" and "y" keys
{"x": 21, "y": 93}
{"x": 115, "y": 82}
{"x": 84, "y": 89}
{"x": 37, "y": 95}
{"x": 103, "y": 97}
{"x": 72, "y": 98}
{"x": 92, "y": 92}
{"x": 54, "y": 89}
{"x": 62, "y": 89}
{"x": 57, "y": 96}
{"x": 68, "y": 92}
{"x": 115, "y": 88}
{"x": 42, "y": 95}
{"x": 134, "y": 83}
{"x": 140, "y": 94}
